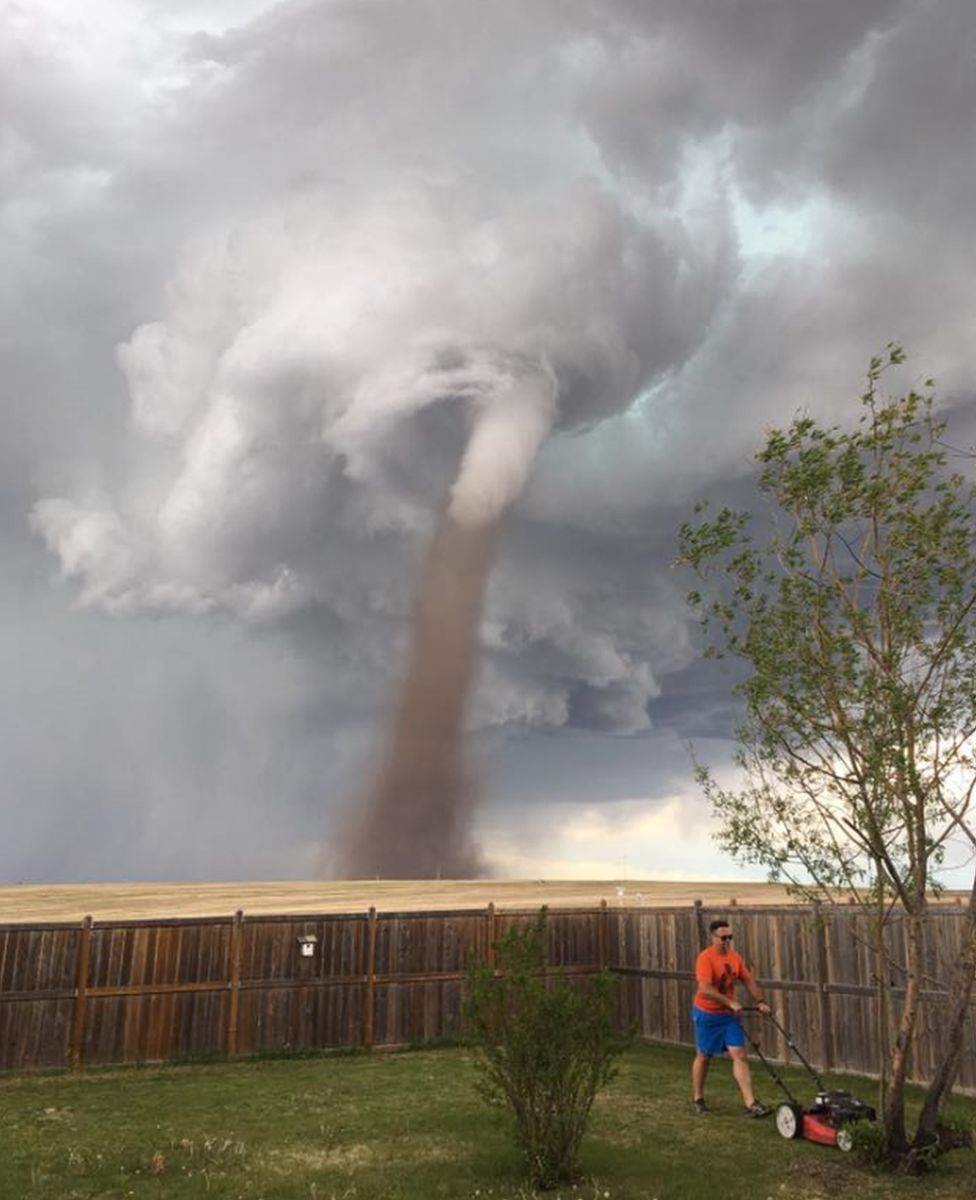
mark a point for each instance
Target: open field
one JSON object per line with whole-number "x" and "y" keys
{"x": 108, "y": 901}
{"x": 408, "y": 1127}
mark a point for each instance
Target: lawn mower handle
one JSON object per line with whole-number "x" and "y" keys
{"x": 790, "y": 1043}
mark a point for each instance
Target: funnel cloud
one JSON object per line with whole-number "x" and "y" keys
{"x": 415, "y": 821}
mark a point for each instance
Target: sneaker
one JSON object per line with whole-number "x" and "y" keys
{"x": 701, "y": 1108}
{"x": 756, "y": 1109}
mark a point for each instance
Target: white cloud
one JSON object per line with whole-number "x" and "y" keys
{"x": 628, "y": 839}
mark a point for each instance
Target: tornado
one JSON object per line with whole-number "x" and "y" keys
{"x": 415, "y": 819}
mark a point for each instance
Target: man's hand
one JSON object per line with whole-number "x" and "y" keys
{"x": 735, "y": 1006}
{"x": 764, "y": 1008}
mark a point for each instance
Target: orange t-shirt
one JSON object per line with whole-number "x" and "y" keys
{"x": 722, "y": 971}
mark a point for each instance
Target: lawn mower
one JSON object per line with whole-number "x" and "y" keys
{"x": 827, "y": 1119}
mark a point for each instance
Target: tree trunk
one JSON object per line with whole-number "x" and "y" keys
{"x": 881, "y": 980}
{"x": 961, "y": 985}
{"x": 896, "y": 1136}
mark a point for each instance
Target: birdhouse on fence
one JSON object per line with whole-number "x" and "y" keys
{"x": 306, "y": 944}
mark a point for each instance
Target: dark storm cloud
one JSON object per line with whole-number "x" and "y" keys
{"x": 705, "y": 217}
{"x": 665, "y": 76}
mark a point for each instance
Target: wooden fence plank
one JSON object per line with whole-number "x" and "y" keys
{"x": 822, "y": 977}
{"x": 81, "y": 986}
{"x": 369, "y": 1033}
{"x": 491, "y": 935}
{"x": 234, "y": 981}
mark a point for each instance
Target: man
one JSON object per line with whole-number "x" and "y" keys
{"x": 715, "y": 1013}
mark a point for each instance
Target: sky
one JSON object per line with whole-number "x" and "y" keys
{"x": 265, "y": 265}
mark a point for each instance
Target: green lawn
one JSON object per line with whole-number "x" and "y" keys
{"x": 404, "y": 1127}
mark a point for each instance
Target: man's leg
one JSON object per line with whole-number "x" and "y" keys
{"x": 699, "y": 1071}
{"x": 743, "y": 1076}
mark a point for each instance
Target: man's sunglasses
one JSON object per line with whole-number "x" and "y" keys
{"x": 725, "y": 937}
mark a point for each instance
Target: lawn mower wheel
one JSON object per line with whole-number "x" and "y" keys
{"x": 789, "y": 1120}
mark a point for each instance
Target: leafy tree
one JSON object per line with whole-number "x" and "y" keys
{"x": 543, "y": 1048}
{"x": 855, "y": 619}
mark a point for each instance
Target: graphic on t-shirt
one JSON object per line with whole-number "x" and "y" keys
{"x": 722, "y": 972}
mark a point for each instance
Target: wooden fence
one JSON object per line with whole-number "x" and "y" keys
{"x": 164, "y": 990}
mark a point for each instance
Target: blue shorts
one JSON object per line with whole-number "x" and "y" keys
{"x": 716, "y": 1032}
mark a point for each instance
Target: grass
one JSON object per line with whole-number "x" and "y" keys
{"x": 405, "y": 1127}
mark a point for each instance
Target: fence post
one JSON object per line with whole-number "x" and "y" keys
{"x": 604, "y": 937}
{"x": 700, "y": 923}
{"x": 234, "y": 980}
{"x": 820, "y": 966}
{"x": 490, "y": 935}
{"x": 81, "y": 995}
{"x": 369, "y": 1033}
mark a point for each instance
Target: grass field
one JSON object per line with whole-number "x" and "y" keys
{"x": 405, "y": 1127}
{"x": 105, "y": 901}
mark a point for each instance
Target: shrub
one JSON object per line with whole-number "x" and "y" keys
{"x": 956, "y": 1131}
{"x": 543, "y": 1048}
{"x": 870, "y": 1144}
